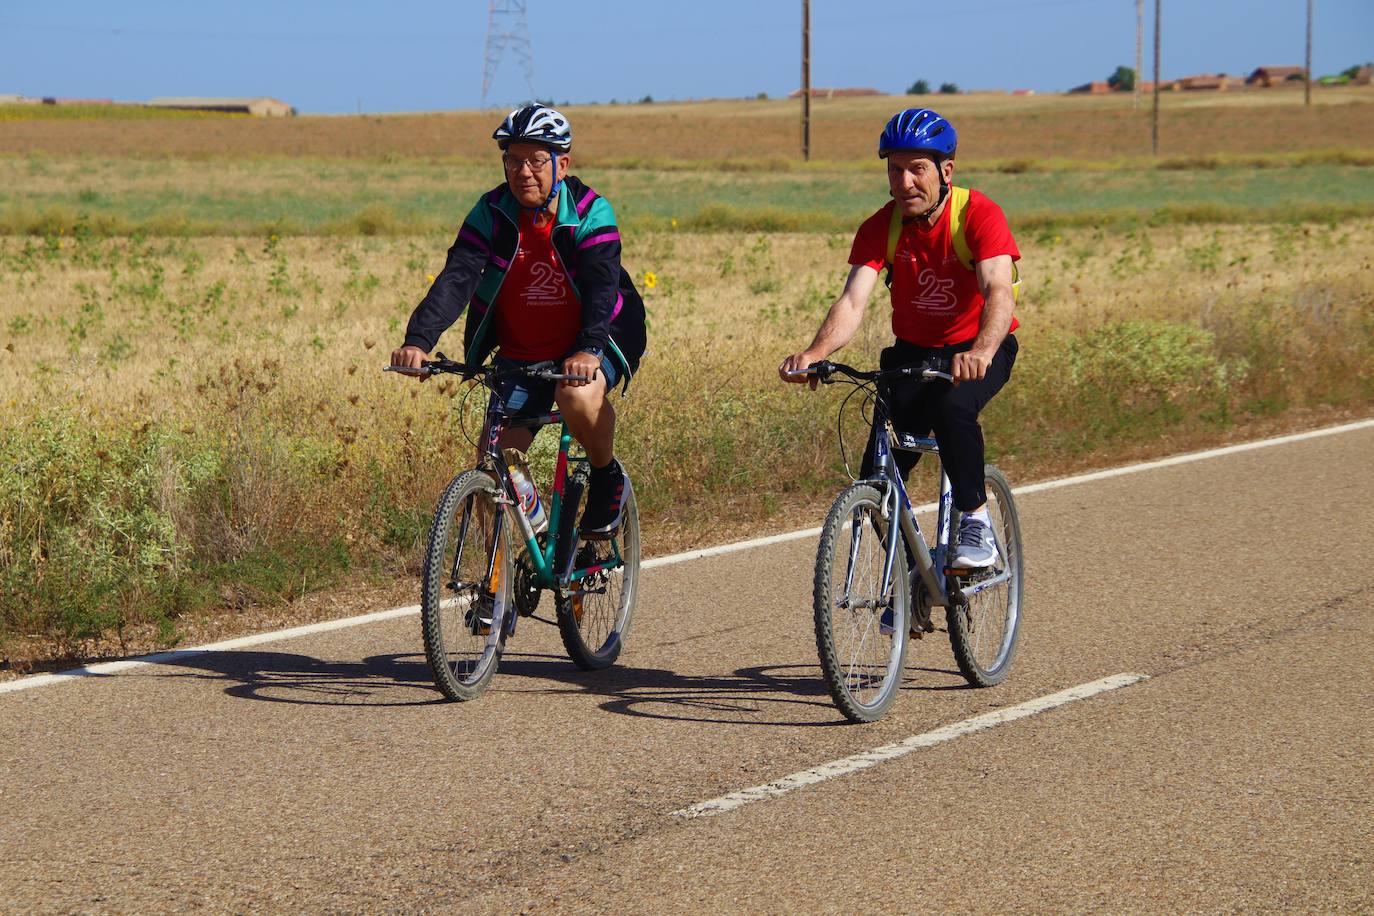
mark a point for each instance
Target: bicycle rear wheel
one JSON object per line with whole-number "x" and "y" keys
{"x": 466, "y": 593}
{"x": 594, "y": 613}
{"x": 984, "y": 628}
{"x": 862, "y": 663}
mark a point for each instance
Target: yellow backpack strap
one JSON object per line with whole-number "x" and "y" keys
{"x": 958, "y": 223}
{"x": 894, "y": 232}
{"x": 958, "y": 218}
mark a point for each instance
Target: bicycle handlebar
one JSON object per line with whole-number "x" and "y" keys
{"x": 933, "y": 368}
{"x": 442, "y": 364}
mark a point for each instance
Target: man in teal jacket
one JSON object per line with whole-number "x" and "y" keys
{"x": 538, "y": 262}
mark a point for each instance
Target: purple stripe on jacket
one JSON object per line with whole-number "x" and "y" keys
{"x": 470, "y": 235}
{"x": 585, "y": 202}
{"x": 619, "y": 301}
{"x": 600, "y": 237}
{"x": 500, "y": 261}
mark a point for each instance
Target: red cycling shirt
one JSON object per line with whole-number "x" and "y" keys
{"x": 538, "y": 314}
{"x": 935, "y": 299}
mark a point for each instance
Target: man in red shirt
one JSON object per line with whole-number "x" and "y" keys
{"x": 940, "y": 308}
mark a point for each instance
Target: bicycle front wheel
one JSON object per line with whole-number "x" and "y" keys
{"x": 466, "y": 595}
{"x": 985, "y": 626}
{"x": 595, "y": 611}
{"x": 861, "y": 623}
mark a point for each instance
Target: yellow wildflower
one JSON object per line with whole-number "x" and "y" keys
{"x": 429, "y": 278}
{"x": 650, "y": 279}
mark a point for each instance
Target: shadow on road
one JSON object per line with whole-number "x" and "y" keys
{"x": 768, "y": 695}
{"x": 285, "y": 677}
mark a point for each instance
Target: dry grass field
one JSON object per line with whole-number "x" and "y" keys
{"x": 991, "y": 127}
{"x": 197, "y": 425}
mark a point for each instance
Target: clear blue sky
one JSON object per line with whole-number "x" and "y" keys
{"x": 407, "y": 55}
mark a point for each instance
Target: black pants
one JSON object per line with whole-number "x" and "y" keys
{"x": 950, "y": 411}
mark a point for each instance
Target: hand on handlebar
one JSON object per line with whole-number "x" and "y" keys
{"x": 410, "y": 358}
{"x": 793, "y": 369}
{"x": 970, "y": 366}
{"x": 583, "y": 364}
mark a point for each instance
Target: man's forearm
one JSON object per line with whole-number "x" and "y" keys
{"x": 996, "y": 321}
{"x": 839, "y": 327}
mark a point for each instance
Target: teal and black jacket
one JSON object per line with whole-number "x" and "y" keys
{"x": 588, "y": 246}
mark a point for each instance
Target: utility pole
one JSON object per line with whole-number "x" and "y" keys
{"x": 1307, "y": 70}
{"x": 507, "y": 27}
{"x": 1139, "y": 49}
{"x": 1154, "y": 120}
{"x": 806, "y": 80}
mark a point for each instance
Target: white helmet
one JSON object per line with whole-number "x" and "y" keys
{"x": 535, "y": 124}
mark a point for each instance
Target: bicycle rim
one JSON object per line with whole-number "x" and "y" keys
{"x": 985, "y": 628}
{"x": 594, "y": 614}
{"x": 467, "y": 580}
{"x": 862, "y": 664}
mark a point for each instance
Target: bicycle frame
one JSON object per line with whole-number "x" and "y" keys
{"x": 541, "y": 559}
{"x": 897, "y": 505}
{"x": 930, "y": 563}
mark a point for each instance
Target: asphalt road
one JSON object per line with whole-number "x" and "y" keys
{"x": 323, "y": 773}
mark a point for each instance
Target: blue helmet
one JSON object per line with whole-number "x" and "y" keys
{"x": 918, "y": 130}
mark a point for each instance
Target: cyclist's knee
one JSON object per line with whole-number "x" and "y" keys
{"x": 581, "y": 399}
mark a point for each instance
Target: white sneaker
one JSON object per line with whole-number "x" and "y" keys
{"x": 976, "y": 548}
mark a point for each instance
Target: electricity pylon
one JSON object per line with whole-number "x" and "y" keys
{"x": 507, "y": 27}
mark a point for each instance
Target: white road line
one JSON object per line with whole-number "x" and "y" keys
{"x": 175, "y": 655}
{"x": 888, "y": 752}
{"x": 44, "y": 680}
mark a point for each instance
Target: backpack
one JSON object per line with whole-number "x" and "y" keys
{"x": 958, "y": 220}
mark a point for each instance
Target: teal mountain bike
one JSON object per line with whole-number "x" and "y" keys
{"x": 486, "y": 567}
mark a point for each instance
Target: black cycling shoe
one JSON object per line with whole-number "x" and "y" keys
{"x": 605, "y": 503}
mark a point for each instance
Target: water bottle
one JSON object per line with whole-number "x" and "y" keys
{"x": 525, "y": 490}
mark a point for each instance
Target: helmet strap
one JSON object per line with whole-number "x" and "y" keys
{"x": 944, "y": 192}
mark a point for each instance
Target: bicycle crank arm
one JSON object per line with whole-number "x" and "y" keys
{"x": 969, "y": 591}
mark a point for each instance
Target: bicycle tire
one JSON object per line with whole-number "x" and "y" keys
{"x": 848, "y": 674}
{"x": 595, "y": 625}
{"x": 984, "y": 629}
{"x": 462, "y": 659}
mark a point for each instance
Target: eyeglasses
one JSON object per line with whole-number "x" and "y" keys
{"x": 536, "y": 165}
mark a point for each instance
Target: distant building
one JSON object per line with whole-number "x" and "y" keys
{"x": 1363, "y": 76}
{"x": 262, "y": 107}
{"x": 1203, "y": 81}
{"x": 1096, "y": 87}
{"x": 1274, "y": 76}
{"x": 835, "y": 93}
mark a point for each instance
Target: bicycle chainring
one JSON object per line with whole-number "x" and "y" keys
{"x": 526, "y": 583}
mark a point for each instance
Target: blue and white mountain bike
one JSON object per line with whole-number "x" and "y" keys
{"x": 868, "y": 601}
